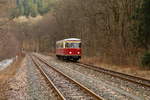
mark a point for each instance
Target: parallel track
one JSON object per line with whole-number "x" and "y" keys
{"x": 60, "y": 96}
{"x": 66, "y": 87}
{"x": 134, "y": 79}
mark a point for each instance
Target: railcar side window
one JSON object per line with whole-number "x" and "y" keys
{"x": 66, "y": 45}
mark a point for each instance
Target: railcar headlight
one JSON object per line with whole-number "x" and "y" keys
{"x": 78, "y": 52}
{"x": 70, "y": 52}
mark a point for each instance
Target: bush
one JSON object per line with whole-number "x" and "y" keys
{"x": 146, "y": 60}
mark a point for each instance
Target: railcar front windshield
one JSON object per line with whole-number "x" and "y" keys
{"x": 73, "y": 45}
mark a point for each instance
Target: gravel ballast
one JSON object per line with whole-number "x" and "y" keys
{"x": 29, "y": 84}
{"x": 102, "y": 83}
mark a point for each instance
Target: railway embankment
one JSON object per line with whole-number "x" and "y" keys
{"x": 131, "y": 70}
{"x": 127, "y": 69}
{"x": 105, "y": 85}
{"x": 8, "y": 70}
{"x": 25, "y": 82}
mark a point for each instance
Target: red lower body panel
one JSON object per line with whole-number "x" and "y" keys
{"x": 69, "y": 52}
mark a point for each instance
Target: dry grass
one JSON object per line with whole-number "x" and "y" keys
{"x": 10, "y": 70}
{"x": 6, "y": 74}
{"x": 132, "y": 70}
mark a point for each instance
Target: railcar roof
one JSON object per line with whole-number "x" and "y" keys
{"x": 69, "y": 39}
{"x": 74, "y": 39}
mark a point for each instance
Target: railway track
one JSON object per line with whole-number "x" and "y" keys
{"x": 66, "y": 87}
{"x": 136, "y": 80}
{"x": 57, "y": 92}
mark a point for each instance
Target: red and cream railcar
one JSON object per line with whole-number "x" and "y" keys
{"x": 69, "y": 49}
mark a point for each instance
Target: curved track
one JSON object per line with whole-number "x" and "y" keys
{"x": 137, "y": 80}
{"x": 66, "y": 87}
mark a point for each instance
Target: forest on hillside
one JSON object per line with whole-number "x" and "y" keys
{"x": 112, "y": 31}
{"x": 32, "y": 7}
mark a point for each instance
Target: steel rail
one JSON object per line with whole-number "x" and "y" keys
{"x": 68, "y": 77}
{"x": 49, "y": 80}
{"x": 120, "y": 75}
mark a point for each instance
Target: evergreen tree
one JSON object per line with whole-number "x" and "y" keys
{"x": 34, "y": 11}
{"x": 21, "y": 9}
{"x": 33, "y": 7}
{"x": 142, "y": 27}
{"x": 26, "y": 7}
{"x": 40, "y": 5}
{"x": 17, "y": 2}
